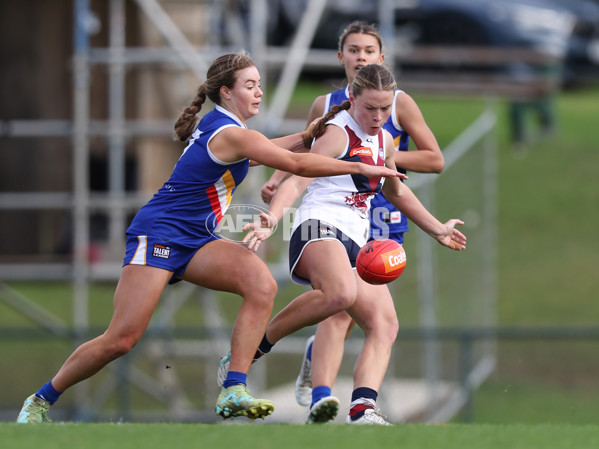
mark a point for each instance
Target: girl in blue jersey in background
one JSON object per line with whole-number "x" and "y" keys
{"x": 172, "y": 237}
{"x": 359, "y": 44}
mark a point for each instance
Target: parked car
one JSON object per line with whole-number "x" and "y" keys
{"x": 582, "y": 55}
{"x": 568, "y": 28}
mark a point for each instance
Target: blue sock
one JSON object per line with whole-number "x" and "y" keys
{"x": 319, "y": 392}
{"x": 235, "y": 378}
{"x": 364, "y": 392}
{"x": 48, "y": 393}
{"x": 309, "y": 354}
{"x": 357, "y": 410}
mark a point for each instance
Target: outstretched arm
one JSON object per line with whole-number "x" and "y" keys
{"x": 328, "y": 146}
{"x": 292, "y": 142}
{"x": 233, "y": 144}
{"x": 402, "y": 197}
{"x": 411, "y": 207}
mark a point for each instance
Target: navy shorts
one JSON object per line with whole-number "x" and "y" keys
{"x": 156, "y": 252}
{"x": 311, "y": 231}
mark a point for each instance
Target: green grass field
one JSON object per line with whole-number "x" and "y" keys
{"x": 275, "y": 436}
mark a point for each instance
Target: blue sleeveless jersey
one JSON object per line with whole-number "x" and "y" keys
{"x": 382, "y": 212}
{"x": 189, "y": 206}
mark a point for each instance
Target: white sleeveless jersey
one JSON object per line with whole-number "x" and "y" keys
{"x": 343, "y": 201}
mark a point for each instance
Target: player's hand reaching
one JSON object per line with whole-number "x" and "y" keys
{"x": 259, "y": 231}
{"x": 452, "y": 238}
{"x": 375, "y": 171}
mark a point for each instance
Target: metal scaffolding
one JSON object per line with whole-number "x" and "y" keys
{"x": 192, "y": 59}
{"x": 117, "y": 58}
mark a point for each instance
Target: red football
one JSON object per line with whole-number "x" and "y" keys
{"x": 381, "y": 261}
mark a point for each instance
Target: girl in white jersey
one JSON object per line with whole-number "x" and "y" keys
{"x": 359, "y": 44}
{"x": 330, "y": 227}
{"x": 171, "y": 237}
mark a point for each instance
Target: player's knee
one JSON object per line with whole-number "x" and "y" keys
{"x": 392, "y": 330}
{"x": 119, "y": 346}
{"x": 385, "y": 328}
{"x": 263, "y": 284}
{"x": 262, "y": 287}
{"x": 340, "y": 299}
{"x": 388, "y": 331}
{"x": 270, "y": 287}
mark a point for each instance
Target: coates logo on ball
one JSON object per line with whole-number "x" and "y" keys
{"x": 381, "y": 261}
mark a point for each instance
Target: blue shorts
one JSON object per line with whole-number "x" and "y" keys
{"x": 159, "y": 253}
{"x": 312, "y": 231}
{"x": 397, "y": 236}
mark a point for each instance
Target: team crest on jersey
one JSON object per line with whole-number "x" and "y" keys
{"x": 161, "y": 251}
{"x": 359, "y": 201}
{"x": 382, "y": 153}
{"x": 361, "y": 151}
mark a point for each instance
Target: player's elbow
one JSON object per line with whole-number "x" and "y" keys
{"x": 440, "y": 165}
{"x": 300, "y": 167}
{"x": 434, "y": 163}
{"x": 437, "y": 164}
{"x": 392, "y": 196}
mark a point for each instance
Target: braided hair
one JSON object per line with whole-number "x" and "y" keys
{"x": 222, "y": 72}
